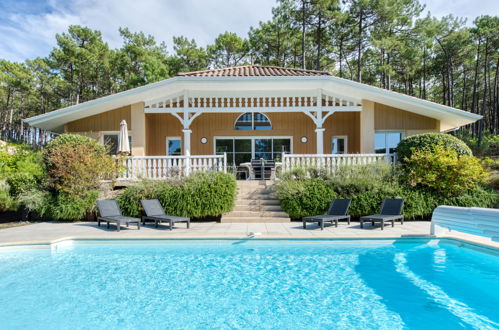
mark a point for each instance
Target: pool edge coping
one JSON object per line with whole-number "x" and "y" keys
{"x": 450, "y": 238}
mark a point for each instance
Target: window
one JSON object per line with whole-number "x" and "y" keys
{"x": 242, "y": 150}
{"x": 386, "y": 142}
{"x": 111, "y": 141}
{"x": 339, "y": 145}
{"x": 252, "y": 121}
{"x": 173, "y": 146}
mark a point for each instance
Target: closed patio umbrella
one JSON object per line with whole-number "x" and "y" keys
{"x": 123, "y": 144}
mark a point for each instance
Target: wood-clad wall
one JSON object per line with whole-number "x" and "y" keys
{"x": 106, "y": 121}
{"x": 343, "y": 124}
{"x": 389, "y": 118}
{"x": 210, "y": 125}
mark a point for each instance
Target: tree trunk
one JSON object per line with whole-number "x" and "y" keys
{"x": 303, "y": 25}
{"x": 359, "y": 47}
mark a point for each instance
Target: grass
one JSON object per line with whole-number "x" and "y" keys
{"x": 6, "y": 225}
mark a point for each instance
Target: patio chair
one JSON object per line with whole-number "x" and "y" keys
{"x": 109, "y": 211}
{"x": 256, "y": 169}
{"x": 391, "y": 210}
{"x": 154, "y": 211}
{"x": 337, "y": 211}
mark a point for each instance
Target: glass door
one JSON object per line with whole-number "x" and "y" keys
{"x": 242, "y": 150}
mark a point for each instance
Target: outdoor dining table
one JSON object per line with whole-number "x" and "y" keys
{"x": 251, "y": 175}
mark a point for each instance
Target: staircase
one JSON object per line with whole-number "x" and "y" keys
{"x": 255, "y": 202}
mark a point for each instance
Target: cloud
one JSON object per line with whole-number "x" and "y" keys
{"x": 28, "y": 27}
{"x": 27, "y": 35}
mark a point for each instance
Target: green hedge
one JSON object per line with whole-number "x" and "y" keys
{"x": 306, "y": 195}
{"x": 427, "y": 141}
{"x": 197, "y": 196}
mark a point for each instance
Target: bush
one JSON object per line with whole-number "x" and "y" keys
{"x": 367, "y": 186}
{"x": 35, "y": 201}
{"x": 427, "y": 142}
{"x": 197, "y": 196}
{"x": 489, "y": 146}
{"x": 443, "y": 171}
{"x": 76, "y": 164}
{"x": 306, "y": 197}
{"x": 70, "y": 207}
{"x": 7, "y": 203}
{"x": 21, "y": 182}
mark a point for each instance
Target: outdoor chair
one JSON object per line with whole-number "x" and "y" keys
{"x": 337, "y": 211}
{"x": 109, "y": 211}
{"x": 154, "y": 212}
{"x": 391, "y": 210}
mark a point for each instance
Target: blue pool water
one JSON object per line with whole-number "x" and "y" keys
{"x": 410, "y": 284}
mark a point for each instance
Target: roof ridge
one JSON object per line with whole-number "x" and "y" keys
{"x": 252, "y": 70}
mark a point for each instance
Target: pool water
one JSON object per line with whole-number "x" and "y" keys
{"x": 410, "y": 284}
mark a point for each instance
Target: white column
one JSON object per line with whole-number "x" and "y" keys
{"x": 320, "y": 140}
{"x": 187, "y": 141}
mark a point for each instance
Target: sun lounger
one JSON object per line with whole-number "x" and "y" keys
{"x": 391, "y": 210}
{"x": 337, "y": 211}
{"x": 154, "y": 211}
{"x": 109, "y": 211}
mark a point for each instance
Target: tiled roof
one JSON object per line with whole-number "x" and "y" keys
{"x": 254, "y": 71}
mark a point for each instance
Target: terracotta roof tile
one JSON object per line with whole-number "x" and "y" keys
{"x": 253, "y": 70}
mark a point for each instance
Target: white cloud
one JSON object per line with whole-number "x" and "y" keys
{"x": 34, "y": 34}
{"x": 31, "y": 34}
{"x": 469, "y": 9}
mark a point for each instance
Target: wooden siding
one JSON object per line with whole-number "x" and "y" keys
{"x": 106, "y": 121}
{"x": 343, "y": 124}
{"x": 158, "y": 127}
{"x": 389, "y": 118}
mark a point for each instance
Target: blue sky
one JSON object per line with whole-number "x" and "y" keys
{"x": 28, "y": 27}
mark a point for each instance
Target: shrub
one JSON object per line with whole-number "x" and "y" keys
{"x": 427, "y": 142}
{"x": 306, "y": 197}
{"x": 70, "y": 207}
{"x": 443, "y": 171}
{"x": 35, "y": 201}
{"x": 20, "y": 182}
{"x": 6, "y": 201}
{"x": 367, "y": 187}
{"x": 76, "y": 164}
{"x": 197, "y": 196}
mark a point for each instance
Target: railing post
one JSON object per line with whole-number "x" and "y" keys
{"x": 187, "y": 163}
{"x": 225, "y": 163}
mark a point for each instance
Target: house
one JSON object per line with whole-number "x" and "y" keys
{"x": 254, "y": 111}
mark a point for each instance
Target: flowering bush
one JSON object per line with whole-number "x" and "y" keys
{"x": 443, "y": 170}
{"x": 76, "y": 164}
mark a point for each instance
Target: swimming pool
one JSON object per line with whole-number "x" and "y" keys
{"x": 407, "y": 283}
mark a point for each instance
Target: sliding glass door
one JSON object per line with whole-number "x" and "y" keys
{"x": 242, "y": 150}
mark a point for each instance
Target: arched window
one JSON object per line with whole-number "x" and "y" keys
{"x": 252, "y": 121}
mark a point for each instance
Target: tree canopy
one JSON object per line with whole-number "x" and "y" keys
{"x": 391, "y": 44}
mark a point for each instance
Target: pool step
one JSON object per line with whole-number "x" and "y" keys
{"x": 256, "y": 203}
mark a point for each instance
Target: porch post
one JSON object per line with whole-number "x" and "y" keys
{"x": 138, "y": 125}
{"x": 320, "y": 140}
{"x": 367, "y": 129}
{"x": 187, "y": 141}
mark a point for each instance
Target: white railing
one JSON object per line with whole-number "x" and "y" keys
{"x": 331, "y": 162}
{"x": 161, "y": 167}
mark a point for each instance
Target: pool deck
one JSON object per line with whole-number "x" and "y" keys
{"x": 49, "y": 232}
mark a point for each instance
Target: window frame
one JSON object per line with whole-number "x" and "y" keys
{"x": 387, "y": 149}
{"x": 102, "y": 134}
{"x": 345, "y": 138}
{"x": 169, "y": 138}
{"x": 253, "y": 121}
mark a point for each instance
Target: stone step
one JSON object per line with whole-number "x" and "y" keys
{"x": 262, "y": 214}
{"x": 258, "y": 208}
{"x": 251, "y": 201}
{"x": 255, "y": 196}
{"x": 259, "y": 190}
{"x": 227, "y": 219}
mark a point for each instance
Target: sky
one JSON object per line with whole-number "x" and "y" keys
{"x": 28, "y": 27}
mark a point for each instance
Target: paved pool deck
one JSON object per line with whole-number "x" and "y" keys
{"x": 48, "y": 232}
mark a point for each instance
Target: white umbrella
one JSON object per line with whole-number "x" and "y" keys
{"x": 123, "y": 144}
